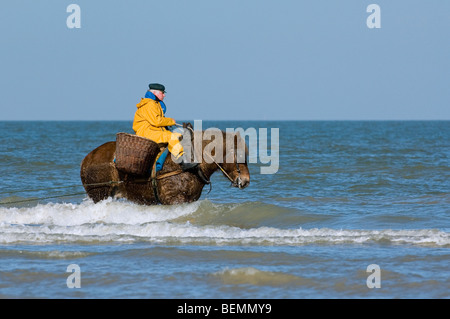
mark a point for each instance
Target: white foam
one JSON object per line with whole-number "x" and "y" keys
{"x": 107, "y": 211}
{"x": 113, "y": 221}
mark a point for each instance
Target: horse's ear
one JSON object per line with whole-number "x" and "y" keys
{"x": 187, "y": 125}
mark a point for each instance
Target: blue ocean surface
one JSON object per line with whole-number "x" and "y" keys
{"x": 346, "y": 195}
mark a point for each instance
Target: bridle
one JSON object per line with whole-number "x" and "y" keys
{"x": 238, "y": 181}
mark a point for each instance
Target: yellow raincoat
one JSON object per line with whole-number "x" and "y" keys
{"x": 150, "y": 122}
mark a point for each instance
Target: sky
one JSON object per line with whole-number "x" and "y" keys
{"x": 226, "y": 60}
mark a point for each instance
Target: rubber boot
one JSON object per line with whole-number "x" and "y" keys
{"x": 188, "y": 166}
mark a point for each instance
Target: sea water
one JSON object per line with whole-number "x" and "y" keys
{"x": 347, "y": 195}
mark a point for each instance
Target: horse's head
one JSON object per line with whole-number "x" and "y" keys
{"x": 235, "y": 163}
{"x": 225, "y": 151}
{"x": 239, "y": 174}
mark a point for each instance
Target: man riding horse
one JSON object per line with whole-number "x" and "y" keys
{"x": 150, "y": 122}
{"x": 170, "y": 185}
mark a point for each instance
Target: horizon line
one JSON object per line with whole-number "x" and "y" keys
{"x": 242, "y": 120}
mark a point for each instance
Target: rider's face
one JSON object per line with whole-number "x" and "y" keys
{"x": 159, "y": 94}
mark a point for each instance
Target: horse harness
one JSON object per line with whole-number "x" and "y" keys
{"x": 154, "y": 178}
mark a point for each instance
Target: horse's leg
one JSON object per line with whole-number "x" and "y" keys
{"x": 178, "y": 189}
{"x": 98, "y": 170}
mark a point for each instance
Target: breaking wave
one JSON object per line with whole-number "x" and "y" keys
{"x": 201, "y": 222}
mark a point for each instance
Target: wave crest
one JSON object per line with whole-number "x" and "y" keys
{"x": 197, "y": 223}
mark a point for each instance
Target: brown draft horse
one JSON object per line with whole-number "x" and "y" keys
{"x": 101, "y": 179}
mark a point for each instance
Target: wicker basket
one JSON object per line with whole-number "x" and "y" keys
{"x": 135, "y": 154}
